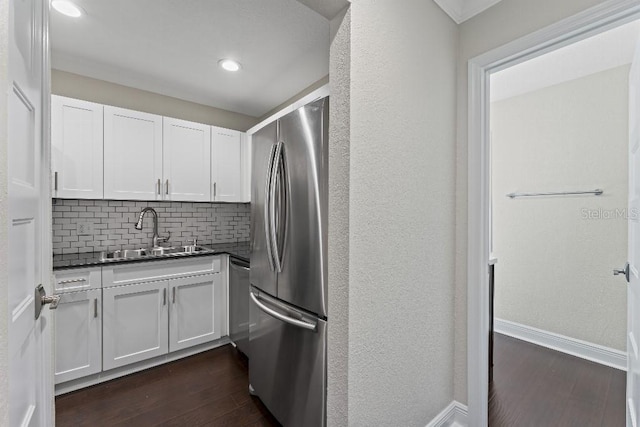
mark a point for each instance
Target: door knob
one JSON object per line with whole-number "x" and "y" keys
{"x": 625, "y": 271}
{"x": 41, "y": 299}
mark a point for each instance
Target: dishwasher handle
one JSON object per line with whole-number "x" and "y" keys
{"x": 239, "y": 264}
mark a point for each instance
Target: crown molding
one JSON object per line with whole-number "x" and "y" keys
{"x": 461, "y": 10}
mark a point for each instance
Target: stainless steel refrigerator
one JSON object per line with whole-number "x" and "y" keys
{"x": 288, "y": 307}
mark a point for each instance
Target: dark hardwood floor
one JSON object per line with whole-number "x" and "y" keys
{"x": 536, "y": 386}
{"x": 208, "y": 389}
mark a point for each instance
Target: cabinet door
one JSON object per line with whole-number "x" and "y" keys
{"x": 135, "y": 323}
{"x": 226, "y": 165}
{"x": 132, "y": 155}
{"x": 78, "y": 335}
{"x": 198, "y": 311}
{"x": 186, "y": 161}
{"x": 76, "y": 148}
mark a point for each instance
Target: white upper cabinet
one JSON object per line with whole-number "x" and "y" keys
{"x": 186, "y": 161}
{"x": 132, "y": 155}
{"x": 76, "y": 152}
{"x": 226, "y": 165}
{"x": 105, "y": 152}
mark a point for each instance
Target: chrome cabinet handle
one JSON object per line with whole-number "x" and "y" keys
{"x": 159, "y": 187}
{"x": 164, "y": 296}
{"x": 214, "y": 190}
{"x": 55, "y": 181}
{"x": 66, "y": 282}
{"x": 167, "y": 188}
{"x": 267, "y": 203}
{"x": 286, "y": 319}
{"x": 174, "y": 295}
{"x": 95, "y": 308}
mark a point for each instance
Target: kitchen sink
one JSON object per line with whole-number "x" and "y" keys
{"x": 120, "y": 255}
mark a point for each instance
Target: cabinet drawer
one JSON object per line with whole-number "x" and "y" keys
{"x": 77, "y": 279}
{"x": 126, "y": 274}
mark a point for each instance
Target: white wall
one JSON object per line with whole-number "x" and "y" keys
{"x": 103, "y": 92}
{"x": 401, "y": 212}
{"x": 554, "y": 260}
{"x": 338, "y": 239}
{"x": 304, "y": 92}
{"x": 500, "y": 24}
{"x": 4, "y": 213}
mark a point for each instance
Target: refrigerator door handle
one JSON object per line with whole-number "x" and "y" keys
{"x": 282, "y": 317}
{"x": 267, "y": 194}
{"x": 272, "y": 208}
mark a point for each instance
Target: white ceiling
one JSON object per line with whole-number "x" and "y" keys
{"x": 461, "y": 10}
{"x": 604, "y": 51}
{"x": 173, "y": 47}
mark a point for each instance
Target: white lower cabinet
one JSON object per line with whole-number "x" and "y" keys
{"x": 122, "y": 314}
{"x": 197, "y": 311}
{"x": 78, "y": 335}
{"x": 135, "y": 323}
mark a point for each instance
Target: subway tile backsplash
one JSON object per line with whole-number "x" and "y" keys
{"x": 107, "y": 225}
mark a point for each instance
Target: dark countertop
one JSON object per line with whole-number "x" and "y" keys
{"x": 238, "y": 250}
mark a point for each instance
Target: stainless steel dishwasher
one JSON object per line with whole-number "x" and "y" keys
{"x": 239, "y": 304}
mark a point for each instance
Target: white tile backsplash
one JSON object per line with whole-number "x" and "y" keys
{"x": 113, "y": 222}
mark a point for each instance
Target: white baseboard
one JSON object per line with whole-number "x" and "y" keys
{"x": 454, "y": 415}
{"x": 585, "y": 350}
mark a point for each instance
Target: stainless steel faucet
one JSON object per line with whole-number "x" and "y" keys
{"x": 156, "y": 237}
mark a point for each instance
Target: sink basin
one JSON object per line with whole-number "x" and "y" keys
{"x": 191, "y": 249}
{"x": 159, "y": 251}
{"x": 125, "y": 254}
{"x": 133, "y": 253}
{"x": 152, "y": 252}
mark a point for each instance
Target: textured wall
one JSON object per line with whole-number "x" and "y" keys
{"x": 401, "y": 225}
{"x": 500, "y": 24}
{"x": 113, "y": 224}
{"x": 4, "y": 213}
{"x": 338, "y": 262}
{"x": 102, "y": 92}
{"x": 554, "y": 263}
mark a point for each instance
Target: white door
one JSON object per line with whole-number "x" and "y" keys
{"x": 633, "y": 272}
{"x": 76, "y": 148}
{"x": 30, "y": 398}
{"x": 132, "y": 155}
{"x": 135, "y": 323}
{"x": 186, "y": 164}
{"x": 78, "y": 346}
{"x": 197, "y": 311}
{"x": 226, "y": 165}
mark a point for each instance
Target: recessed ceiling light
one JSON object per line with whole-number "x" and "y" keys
{"x": 67, "y": 8}
{"x": 229, "y": 64}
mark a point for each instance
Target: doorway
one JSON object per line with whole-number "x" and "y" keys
{"x": 559, "y": 197}
{"x": 564, "y": 33}
{"x": 148, "y": 112}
